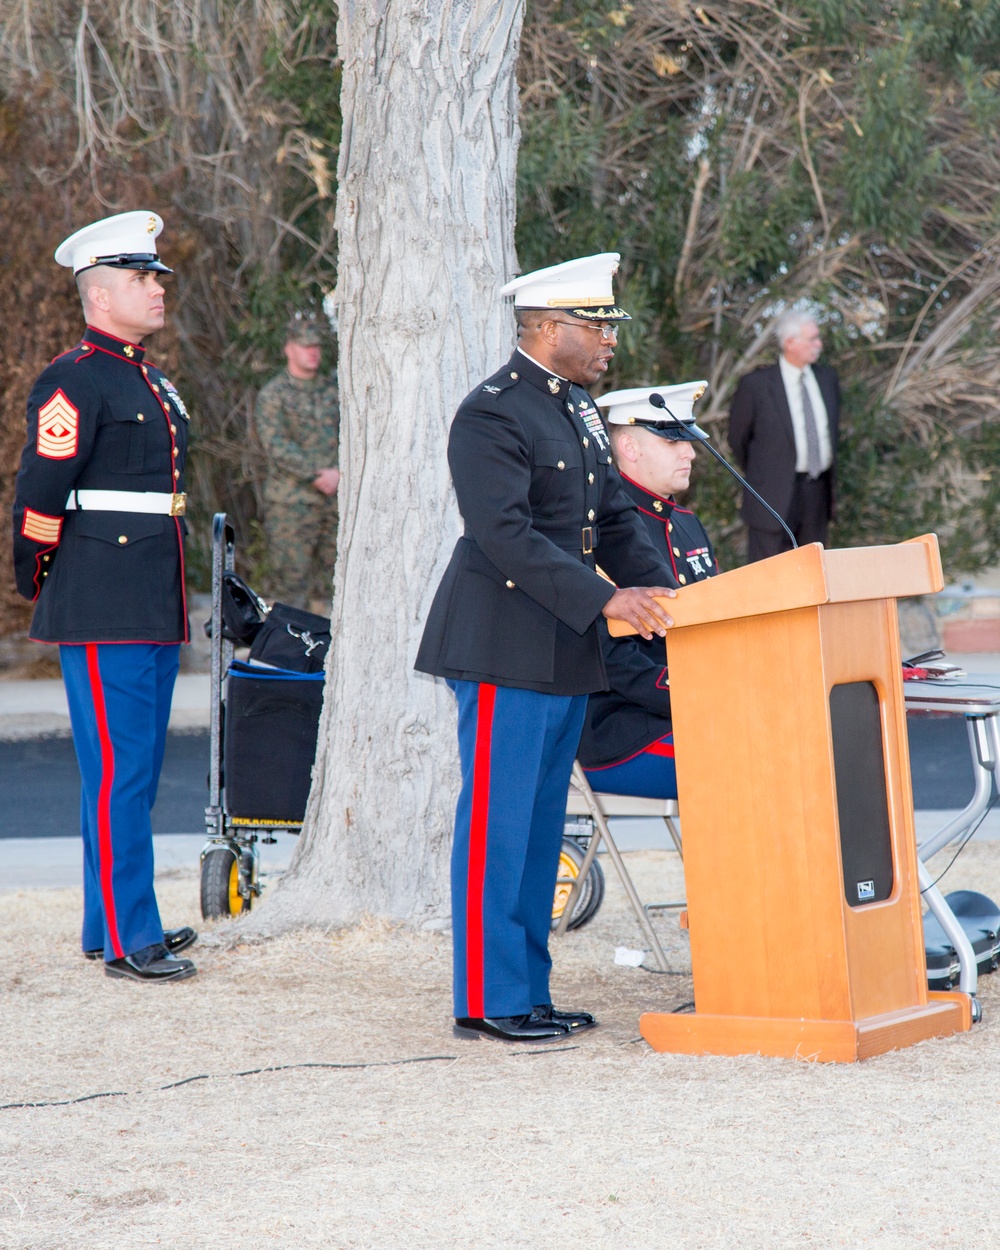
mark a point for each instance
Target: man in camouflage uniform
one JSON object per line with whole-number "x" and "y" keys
{"x": 298, "y": 417}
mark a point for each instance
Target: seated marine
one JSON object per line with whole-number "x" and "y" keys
{"x": 627, "y": 745}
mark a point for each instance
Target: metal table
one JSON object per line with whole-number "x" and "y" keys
{"x": 977, "y": 698}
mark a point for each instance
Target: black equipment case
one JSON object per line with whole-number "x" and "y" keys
{"x": 264, "y": 726}
{"x": 272, "y": 719}
{"x": 979, "y": 916}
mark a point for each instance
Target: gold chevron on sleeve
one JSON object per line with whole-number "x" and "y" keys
{"x": 41, "y": 528}
{"x": 58, "y": 428}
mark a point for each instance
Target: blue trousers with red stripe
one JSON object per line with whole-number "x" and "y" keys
{"x": 119, "y": 704}
{"x": 517, "y": 749}
{"x": 650, "y": 774}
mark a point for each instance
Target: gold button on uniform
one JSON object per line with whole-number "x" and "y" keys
{"x": 155, "y": 388}
{"x": 123, "y": 539}
{"x": 586, "y": 442}
{"x": 514, "y": 376}
{"x": 510, "y": 585}
{"x": 670, "y": 527}
{"x": 571, "y": 408}
{"x": 173, "y": 429}
{"x": 591, "y": 514}
{"x": 590, "y": 478}
{"x": 657, "y": 505}
{"x": 682, "y": 579}
{"x": 139, "y": 417}
{"x": 177, "y": 472}
{"x": 676, "y": 552}
{"x": 609, "y": 459}
{"x": 176, "y": 452}
{"x": 561, "y": 464}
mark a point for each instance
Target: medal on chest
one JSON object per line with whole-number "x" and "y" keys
{"x": 699, "y": 562}
{"x": 591, "y": 419}
{"x": 174, "y": 398}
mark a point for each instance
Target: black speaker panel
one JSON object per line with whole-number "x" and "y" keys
{"x": 859, "y": 767}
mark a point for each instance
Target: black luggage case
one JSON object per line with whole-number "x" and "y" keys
{"x": 265, "y": 718}
{"x": 272, "y": 720}
{"x": 980, "y": 918}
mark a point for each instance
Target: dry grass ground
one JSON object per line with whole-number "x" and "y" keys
{"x": 599, "y": 1143}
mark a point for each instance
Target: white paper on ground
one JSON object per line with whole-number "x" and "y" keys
{"x": 629, "y": 958}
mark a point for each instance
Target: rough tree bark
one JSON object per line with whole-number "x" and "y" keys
{"x": 425, "y": 215}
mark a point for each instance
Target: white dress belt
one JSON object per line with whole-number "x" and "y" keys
{"x": 162, "y": 503}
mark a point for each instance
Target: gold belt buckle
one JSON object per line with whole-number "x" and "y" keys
{"x": 588, "y": 540}
{"x": 178, "y": 505}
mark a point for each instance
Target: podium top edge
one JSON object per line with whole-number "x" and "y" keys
{"x": 808, "y": 576}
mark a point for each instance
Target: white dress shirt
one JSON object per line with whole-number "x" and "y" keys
{"x": 792, "y": 378}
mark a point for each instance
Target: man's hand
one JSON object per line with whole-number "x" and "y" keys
{"x": 637, "y": 605}
{"x": 327, "y": 481}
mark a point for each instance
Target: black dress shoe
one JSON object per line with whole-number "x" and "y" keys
{"x": 573, "y": 1020}
{"x": 175, "y": 940}
{"x": 151, "y": 964}
{"x": 512, "y": 1028}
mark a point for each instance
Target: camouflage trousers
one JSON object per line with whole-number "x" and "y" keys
{"x": 301, "y": 533}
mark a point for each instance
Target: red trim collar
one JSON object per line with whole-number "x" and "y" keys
{"x": 122, "y": 349}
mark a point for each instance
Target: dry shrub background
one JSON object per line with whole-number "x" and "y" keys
{"x": 222, "y": 117}
{"x": 742, "y": 156}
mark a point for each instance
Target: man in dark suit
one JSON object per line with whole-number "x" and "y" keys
{"x": 783, "y": 431}
{"x": 513, "y": 628}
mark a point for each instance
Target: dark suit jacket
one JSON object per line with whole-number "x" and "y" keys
{"x": 763, "y": 441}
{"x": 519, "y": 601}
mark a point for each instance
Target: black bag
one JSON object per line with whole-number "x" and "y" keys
{"x": 272, "y": 721}
{"x": 292, "y": 638}
{"x": 243, "y": 611}
{"x": 979, "y": 916}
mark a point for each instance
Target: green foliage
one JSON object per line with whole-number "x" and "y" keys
{"x": 762, "y": 221}
{"x": 943, "y": 32}
{"x": 890, "y": 162}
{"x": 852, "y": 162}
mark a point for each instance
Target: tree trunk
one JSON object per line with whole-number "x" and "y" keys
{"x": 425, "y": 215}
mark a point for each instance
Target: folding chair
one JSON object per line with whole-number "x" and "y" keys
{"x": 582, "y": 801}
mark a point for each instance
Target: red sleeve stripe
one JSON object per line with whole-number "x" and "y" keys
{"x": 41, "y": 528}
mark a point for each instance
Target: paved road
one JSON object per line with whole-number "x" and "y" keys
{"x": 40, "y": 788}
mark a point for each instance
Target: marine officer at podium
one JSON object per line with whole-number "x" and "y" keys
{"x": 627, "y": 744}
{"x": 513, "y": 627}
{"x": 99, "y": 548}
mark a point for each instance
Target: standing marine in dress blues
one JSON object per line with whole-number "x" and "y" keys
{"x": 99, "y": 547}
{"x": 627, "y": 744}
{"x": 513, "y": 627}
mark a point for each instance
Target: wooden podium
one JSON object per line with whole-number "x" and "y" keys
{"x": 794, "y": 788}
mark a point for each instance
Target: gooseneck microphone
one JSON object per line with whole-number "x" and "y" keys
{"x": 657, "y": 400}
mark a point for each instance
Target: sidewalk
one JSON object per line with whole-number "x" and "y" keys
{"x": 37, "y": 709}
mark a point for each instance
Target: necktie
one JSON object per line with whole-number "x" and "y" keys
{"x": 814, "y": 465}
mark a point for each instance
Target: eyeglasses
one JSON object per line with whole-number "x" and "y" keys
{"x": 608, "y": 333}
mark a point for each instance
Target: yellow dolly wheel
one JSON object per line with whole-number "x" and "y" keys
{"x": 592, "y": 892}
{"x": 220, "y": 884}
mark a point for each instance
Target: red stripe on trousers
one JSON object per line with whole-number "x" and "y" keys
{"x": 660, "y": 748}
{"x": 478, "y": 825}
{"x": 104, "y": 848}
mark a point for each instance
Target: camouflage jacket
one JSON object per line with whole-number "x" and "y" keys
{"x": 298, "y": 422}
